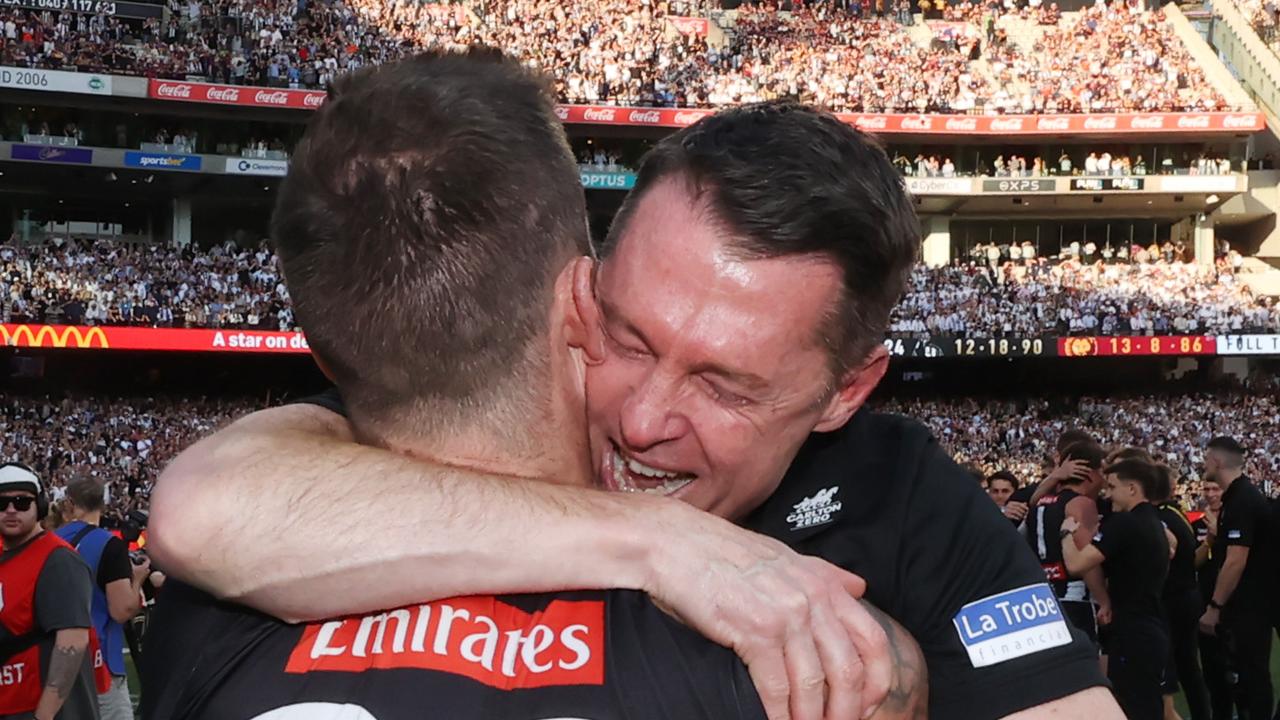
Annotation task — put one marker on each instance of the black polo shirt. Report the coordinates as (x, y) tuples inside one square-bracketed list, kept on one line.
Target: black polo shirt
[(603, 655), (882, 499), (1245, 521), (1136, 564), (1182, 568)]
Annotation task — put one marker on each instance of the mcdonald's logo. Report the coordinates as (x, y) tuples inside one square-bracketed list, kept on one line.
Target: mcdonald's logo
[(58, 337)]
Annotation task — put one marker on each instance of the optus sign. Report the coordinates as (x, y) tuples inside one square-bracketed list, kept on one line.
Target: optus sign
[(81, 337), (185, 91)]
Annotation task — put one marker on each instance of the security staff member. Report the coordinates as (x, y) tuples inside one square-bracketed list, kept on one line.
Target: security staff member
[(1241, 605), (1213, 654), (1074, 496), (1133, 550), (1182, 604), (117, 588), (46, 658)]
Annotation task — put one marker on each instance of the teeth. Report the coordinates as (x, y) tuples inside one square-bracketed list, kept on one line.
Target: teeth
[(671, 482)]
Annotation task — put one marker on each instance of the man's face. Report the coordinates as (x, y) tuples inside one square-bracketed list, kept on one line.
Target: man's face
[(1120, 492), (712, 371), (1213, 495), (17, 524), (1000, 490)]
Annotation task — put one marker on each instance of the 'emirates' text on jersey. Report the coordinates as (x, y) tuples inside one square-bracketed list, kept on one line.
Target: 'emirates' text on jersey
[(587, 655)]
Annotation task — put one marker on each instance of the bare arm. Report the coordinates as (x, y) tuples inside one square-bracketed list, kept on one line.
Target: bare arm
[(123, 600), (69, 646), (908, 696), (284, 512), (1095, 703), (1085, 512)]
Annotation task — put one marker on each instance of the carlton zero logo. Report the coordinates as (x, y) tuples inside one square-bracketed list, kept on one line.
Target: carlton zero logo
[(58, 336), (478, 637), (816, 510), (1010, 625)]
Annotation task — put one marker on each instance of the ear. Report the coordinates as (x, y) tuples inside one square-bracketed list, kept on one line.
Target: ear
[(582, 315), (855, 386)]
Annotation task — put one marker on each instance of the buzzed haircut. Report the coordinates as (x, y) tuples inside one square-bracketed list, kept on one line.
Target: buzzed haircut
[(788, 180), (1143, 473), (86, 494), (1231, 451), (428, 209)]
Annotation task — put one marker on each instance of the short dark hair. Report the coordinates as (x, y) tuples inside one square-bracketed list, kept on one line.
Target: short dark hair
[(1071, 437), (1006, 476), (1143, 473), (428, 209), (1166, 480), (86, 494), (1229, 447), (1091, 453), (788, 180), (1132, 453)]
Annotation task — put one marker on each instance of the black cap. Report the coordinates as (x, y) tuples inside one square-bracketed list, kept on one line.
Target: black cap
[(1227, 444)]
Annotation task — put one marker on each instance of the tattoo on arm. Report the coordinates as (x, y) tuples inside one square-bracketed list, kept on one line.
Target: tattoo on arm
[(908, 696), (64, 669)]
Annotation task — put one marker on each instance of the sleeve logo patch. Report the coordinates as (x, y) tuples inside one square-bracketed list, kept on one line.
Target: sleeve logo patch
[(1011, 624), (1233, 535)]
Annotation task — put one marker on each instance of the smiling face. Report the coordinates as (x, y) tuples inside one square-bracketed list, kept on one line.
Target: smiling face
[(713, 369)]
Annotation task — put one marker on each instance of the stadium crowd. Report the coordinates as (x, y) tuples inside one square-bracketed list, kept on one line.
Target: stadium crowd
[(125, 442), (106, 283), (122, 442), (1094, 164), (1018, 435), (1087, 291), (1037, 297), (1103, 59)]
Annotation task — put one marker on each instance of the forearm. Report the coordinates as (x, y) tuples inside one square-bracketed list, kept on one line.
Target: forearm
[(1096, 581), (908, 696), (294, 522), (1228, 579), (64, 670), (1202, 555)]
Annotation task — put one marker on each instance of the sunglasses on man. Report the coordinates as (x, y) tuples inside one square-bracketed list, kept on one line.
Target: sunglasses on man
[(21, 503)]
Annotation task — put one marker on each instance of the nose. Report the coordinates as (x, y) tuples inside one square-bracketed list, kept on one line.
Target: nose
[(651, 414)]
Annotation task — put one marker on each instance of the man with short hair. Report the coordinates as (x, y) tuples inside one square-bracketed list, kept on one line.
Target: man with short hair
[(1239, 610), (1133, 549), (117, 586), (1000, 488), (732, 332), (410, 191), (46, 642), (1083, 596)]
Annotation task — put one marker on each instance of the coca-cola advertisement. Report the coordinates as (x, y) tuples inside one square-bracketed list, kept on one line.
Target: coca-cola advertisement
[(689, 25), (187, 91)]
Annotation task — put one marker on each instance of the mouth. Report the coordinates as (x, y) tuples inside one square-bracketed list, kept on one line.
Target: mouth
[(623, 473)]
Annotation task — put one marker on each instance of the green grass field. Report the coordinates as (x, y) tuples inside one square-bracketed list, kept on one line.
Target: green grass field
[(1180, 702)]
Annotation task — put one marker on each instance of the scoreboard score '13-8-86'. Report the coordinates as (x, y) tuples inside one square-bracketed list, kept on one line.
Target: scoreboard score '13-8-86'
[(1015, 347)]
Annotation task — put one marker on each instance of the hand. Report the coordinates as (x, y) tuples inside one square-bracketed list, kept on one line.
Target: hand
[(1070, 524), (812, 650), (1104, 613), (1211, 521), (1015, 510), (1209, 621), (140, 572), (1068, 469)]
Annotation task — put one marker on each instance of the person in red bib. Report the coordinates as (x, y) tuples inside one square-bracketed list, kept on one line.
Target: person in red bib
[(47, 647)]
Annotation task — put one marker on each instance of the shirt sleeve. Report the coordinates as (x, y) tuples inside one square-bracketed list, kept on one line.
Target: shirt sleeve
[(964, 568), (1113, 536), (1241, 526), (114, 564), (64, 592)]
